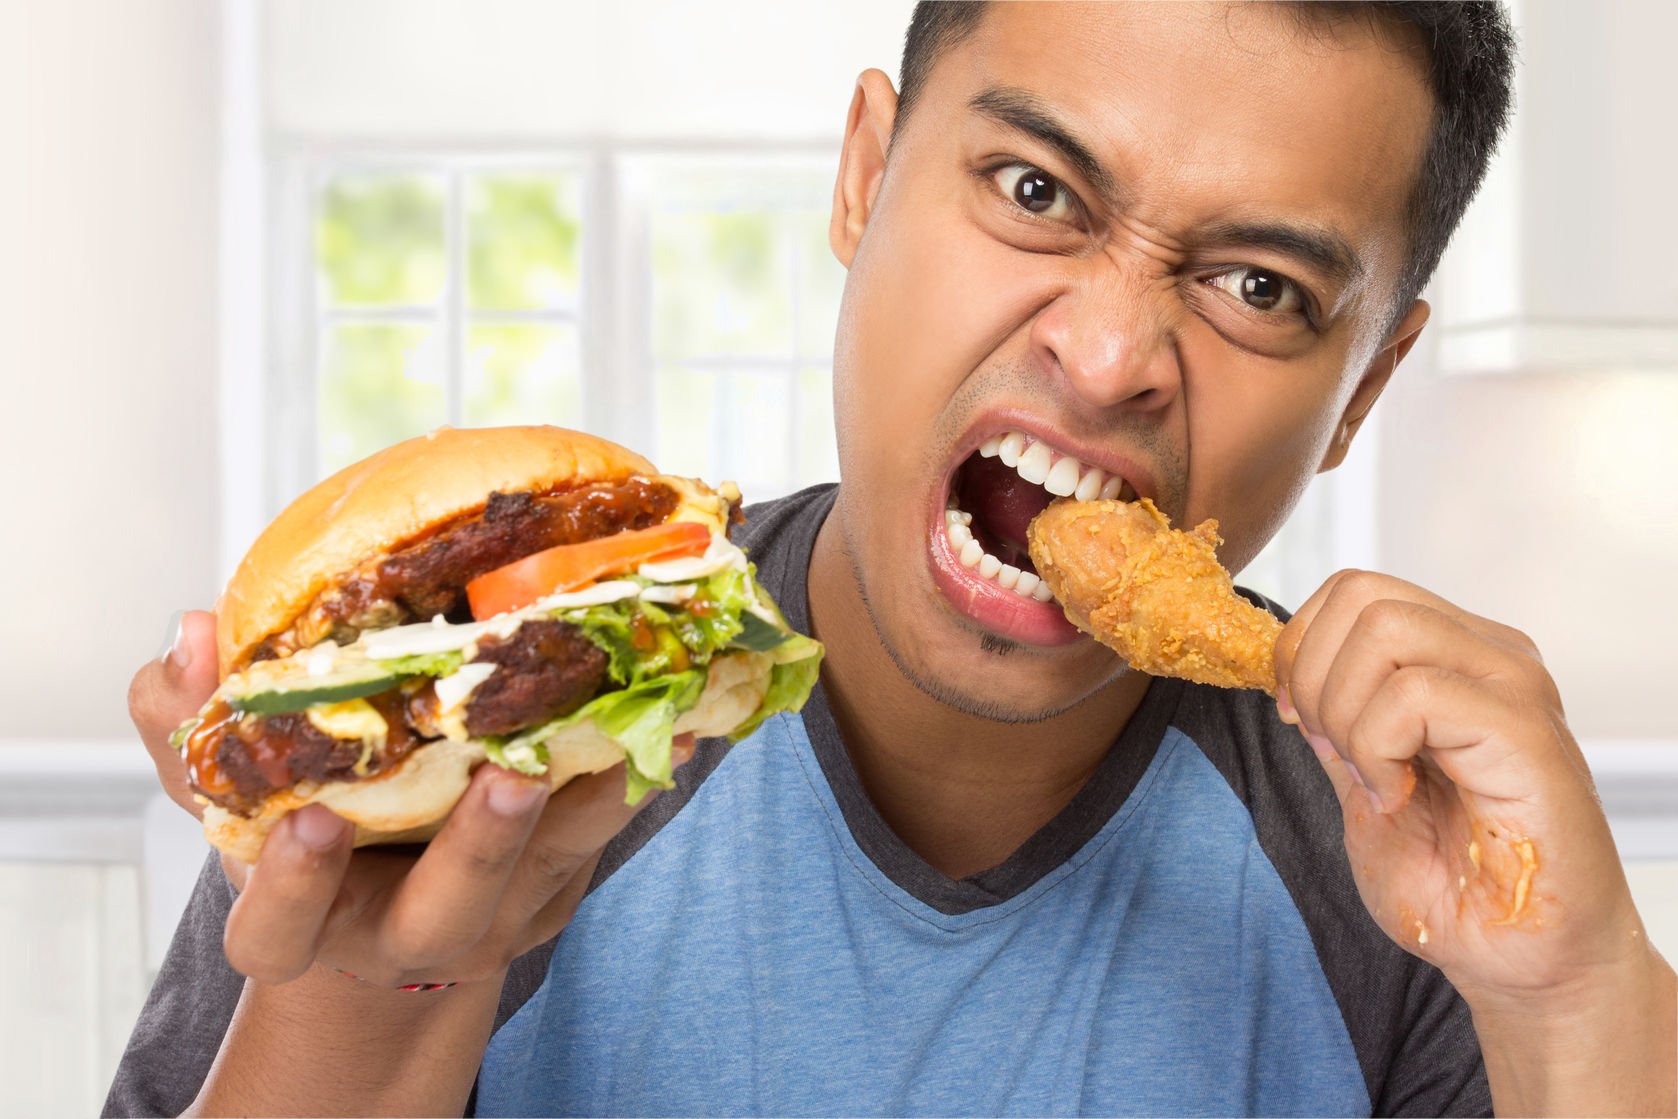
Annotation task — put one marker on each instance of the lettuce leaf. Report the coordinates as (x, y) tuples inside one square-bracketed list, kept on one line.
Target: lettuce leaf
[(798, 663), (525, 757), (642, 722), (640, 718), (658, 654), (645, 640)]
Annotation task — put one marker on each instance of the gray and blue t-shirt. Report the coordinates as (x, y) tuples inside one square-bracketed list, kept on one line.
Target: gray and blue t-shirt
[(1183, 938)]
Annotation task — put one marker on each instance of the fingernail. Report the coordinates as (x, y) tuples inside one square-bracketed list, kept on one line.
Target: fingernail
[(681, 755), (1322, 747), (315, 826), (1285, 708), (176, 650), (1375, 800), (515, 796)]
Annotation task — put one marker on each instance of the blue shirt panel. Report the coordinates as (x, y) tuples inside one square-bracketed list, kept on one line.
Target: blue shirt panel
[(751, 960)]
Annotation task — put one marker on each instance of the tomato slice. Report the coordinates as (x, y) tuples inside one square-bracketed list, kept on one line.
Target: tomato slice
[(569, 566)]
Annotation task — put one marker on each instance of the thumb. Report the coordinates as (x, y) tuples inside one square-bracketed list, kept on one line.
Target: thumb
[(170, 690)]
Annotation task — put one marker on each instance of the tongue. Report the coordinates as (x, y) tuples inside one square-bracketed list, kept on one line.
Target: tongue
[(1002, 504)]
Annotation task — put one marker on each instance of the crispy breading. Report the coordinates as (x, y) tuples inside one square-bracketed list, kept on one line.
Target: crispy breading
[(1154, 594)]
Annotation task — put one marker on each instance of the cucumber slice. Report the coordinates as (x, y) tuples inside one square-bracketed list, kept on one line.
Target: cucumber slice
[(758, 634), (302, 692)]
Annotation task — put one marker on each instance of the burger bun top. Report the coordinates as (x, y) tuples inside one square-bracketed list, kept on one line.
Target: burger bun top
[(379, 503)]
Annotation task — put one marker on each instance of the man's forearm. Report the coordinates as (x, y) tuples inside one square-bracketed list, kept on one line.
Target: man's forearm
[(324, 1044), (1611, 1049)]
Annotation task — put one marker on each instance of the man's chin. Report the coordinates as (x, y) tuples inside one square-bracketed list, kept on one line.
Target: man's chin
[(991, 677)]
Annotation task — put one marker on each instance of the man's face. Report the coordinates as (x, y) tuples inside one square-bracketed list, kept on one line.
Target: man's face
[(1157, 239)]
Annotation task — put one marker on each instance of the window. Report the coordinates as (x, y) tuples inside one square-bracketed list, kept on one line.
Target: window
[(681, 304), (744, 297), (451, 296)]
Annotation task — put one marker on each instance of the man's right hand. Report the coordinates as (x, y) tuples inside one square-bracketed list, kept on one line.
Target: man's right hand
[(168, 691), (504, 875)]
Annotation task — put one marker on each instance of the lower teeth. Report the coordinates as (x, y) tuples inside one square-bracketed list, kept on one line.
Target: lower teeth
[(972, 555)]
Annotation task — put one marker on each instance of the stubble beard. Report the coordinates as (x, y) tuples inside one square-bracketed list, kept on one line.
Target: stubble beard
[(937, 690)]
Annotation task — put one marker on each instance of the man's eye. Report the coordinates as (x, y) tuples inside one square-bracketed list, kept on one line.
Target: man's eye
[(1033, 190), (1262, 290)]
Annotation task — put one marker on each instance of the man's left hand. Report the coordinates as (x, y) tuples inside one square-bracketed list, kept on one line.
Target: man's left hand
[(1473, 829)]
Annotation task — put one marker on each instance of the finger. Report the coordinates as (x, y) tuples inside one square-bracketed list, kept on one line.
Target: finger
[(1386, 636), (274, 927), (448, 900), (1345, 780), (167, 691), (1470, 732), (1394, 609), (552, 918), (1345, 593), (580, 819)]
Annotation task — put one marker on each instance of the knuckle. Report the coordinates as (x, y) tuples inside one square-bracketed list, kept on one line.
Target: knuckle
[(402, 956), (553, 864), (1417, 684), (488, 861), (1358, 585), (1522, 644), (1386, 618), (143, 706), (260, 961)]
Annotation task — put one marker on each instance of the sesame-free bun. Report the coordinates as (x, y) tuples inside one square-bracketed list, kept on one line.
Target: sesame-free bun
[(410, 802), (376, 505)]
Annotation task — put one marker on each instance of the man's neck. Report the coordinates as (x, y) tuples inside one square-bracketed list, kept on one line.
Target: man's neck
[(961, 791)]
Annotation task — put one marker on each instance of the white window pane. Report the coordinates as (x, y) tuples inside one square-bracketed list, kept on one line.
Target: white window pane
[(522, 375), (379, 384), (821, 280), (721, 285), (379, 239), (755, 413), (728, 425), (524, 239), (686, 410), (817, 453)]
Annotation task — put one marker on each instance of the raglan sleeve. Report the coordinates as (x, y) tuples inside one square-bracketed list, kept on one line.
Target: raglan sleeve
[(1437, 1068), (181, 1026)]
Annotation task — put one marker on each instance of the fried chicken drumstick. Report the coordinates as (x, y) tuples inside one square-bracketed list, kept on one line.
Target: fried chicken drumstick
[(1154, 594)]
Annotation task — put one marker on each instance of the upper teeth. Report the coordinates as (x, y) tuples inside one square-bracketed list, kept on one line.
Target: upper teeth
[(1062, 475), (1033, 460)]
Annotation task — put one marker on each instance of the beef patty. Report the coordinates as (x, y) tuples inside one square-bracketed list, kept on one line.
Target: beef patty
[(544, 670)]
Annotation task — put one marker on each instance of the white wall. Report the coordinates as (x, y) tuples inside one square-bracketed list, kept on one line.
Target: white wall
[(107, 301), (482, 70), (1540, 493)]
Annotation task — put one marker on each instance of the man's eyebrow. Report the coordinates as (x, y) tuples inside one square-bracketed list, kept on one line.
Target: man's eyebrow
[(1026, 112), (1323, 249)]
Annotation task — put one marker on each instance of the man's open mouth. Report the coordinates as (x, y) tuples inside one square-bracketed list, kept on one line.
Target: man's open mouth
[(995, 493)]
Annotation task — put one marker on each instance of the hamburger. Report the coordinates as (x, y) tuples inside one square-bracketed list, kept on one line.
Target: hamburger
[(532, 597)]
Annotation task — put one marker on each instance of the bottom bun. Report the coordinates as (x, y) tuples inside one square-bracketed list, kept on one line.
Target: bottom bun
[(410, 802)]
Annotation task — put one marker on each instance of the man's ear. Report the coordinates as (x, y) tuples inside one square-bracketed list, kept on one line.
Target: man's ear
[(1374, 380), (862, 161)]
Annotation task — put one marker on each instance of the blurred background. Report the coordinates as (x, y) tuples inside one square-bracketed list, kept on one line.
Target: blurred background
[(245, 243)]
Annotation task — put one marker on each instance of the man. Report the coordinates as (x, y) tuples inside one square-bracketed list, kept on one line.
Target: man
[(990, 870)]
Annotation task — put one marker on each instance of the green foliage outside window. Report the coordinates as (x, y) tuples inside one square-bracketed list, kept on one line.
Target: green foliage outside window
[(379, 240), (381, 248)]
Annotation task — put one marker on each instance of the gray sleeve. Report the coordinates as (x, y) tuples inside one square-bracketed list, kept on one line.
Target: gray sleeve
[(1411, 1030), (181, 1026), (186, 1015)]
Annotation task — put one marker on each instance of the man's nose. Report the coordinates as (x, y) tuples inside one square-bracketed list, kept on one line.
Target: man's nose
[(1111, 336)]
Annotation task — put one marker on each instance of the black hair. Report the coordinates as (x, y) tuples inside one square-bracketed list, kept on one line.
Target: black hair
[(1471, 70)]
